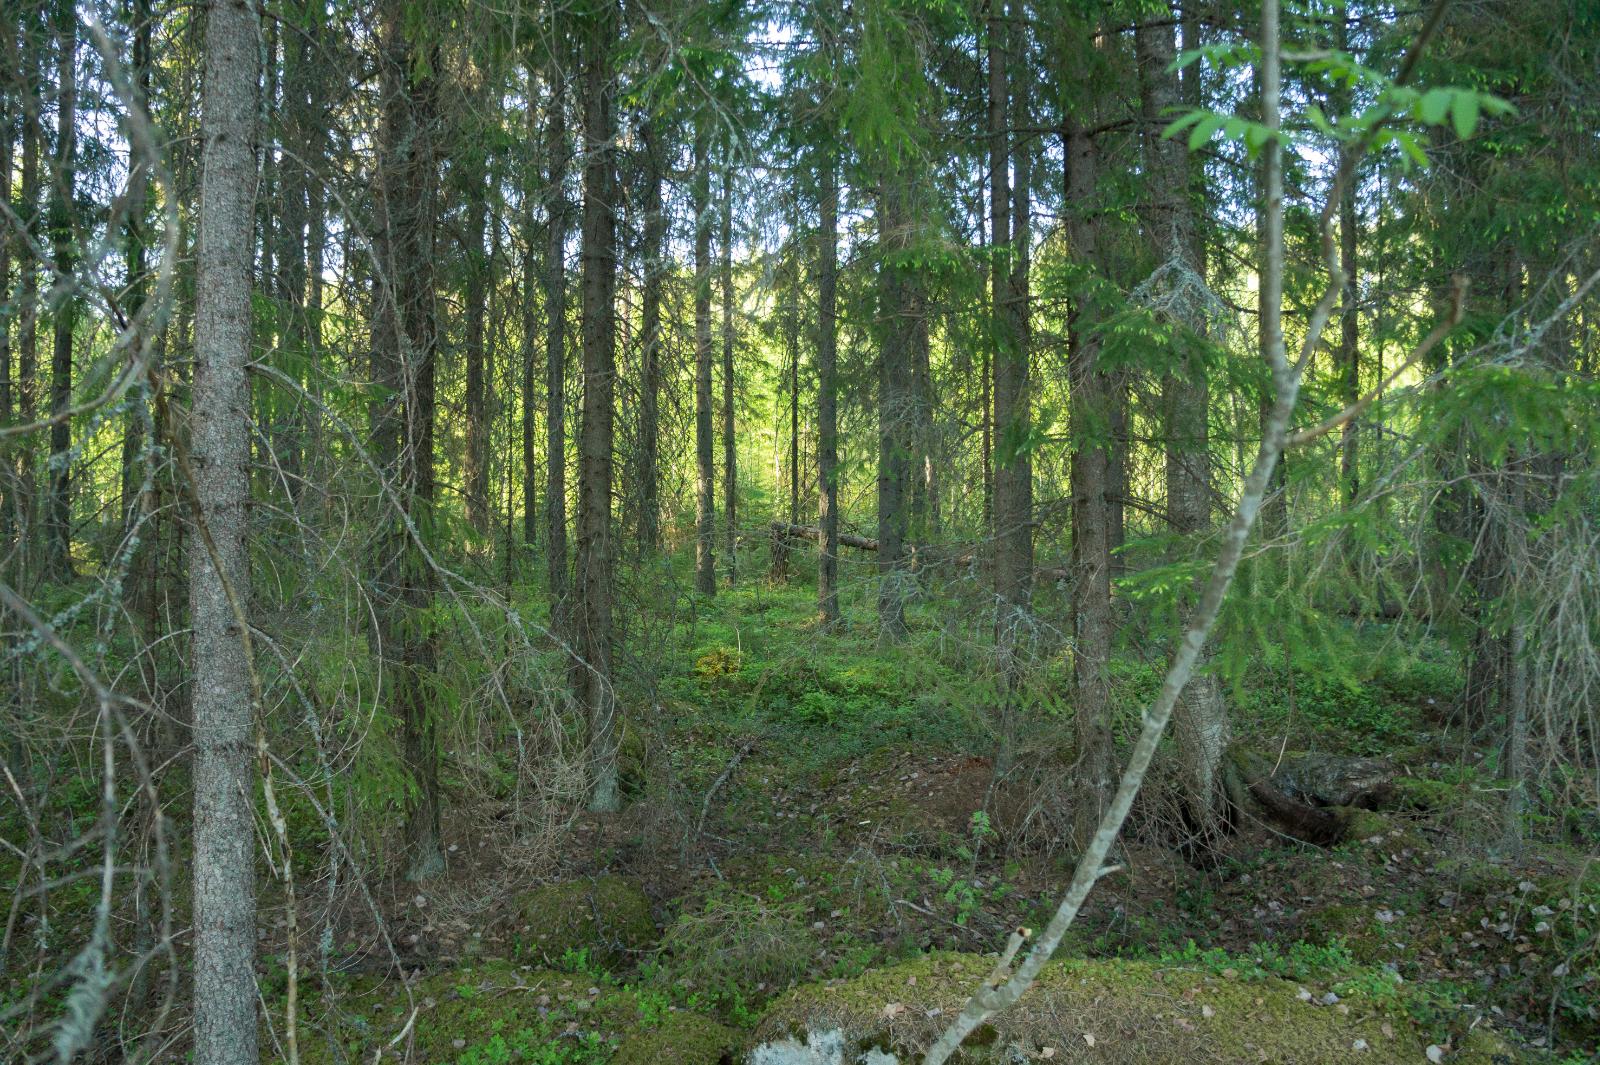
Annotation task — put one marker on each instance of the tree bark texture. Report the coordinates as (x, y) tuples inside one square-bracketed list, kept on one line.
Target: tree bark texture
[(219, 567), (705, 571), (404, 356), (827, 390), (595, 555)]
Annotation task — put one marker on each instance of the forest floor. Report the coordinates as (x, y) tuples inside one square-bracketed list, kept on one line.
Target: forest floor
[(813, 838), (810, 809)]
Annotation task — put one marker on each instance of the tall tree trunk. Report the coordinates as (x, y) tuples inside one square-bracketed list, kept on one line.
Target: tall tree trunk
[(1091, 397), (530, 332), (705, 569), (896, 313), (1117, 459), (1349, 348), (27, 387), (792, 342), (11, 94), (1022, 332), (1349, 311), (477, 300), (65, 313), (827, 390), (595, 560), (730, 450), (293, 182), (788, 281), (134, 245), (1515, 693), (655, 241), (219, 567), (986, 430), (1013, 471), (555, 353), (139, 494), (1200, 718), (919, 395), (404, 356), (1275, 508), (319, 89)]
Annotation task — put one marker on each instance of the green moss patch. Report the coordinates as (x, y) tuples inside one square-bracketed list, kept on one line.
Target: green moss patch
[(605, 921), (1102, 1011), (495, 1012), (680, 1039)]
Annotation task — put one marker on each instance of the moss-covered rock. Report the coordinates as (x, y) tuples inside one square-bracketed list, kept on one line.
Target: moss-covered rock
[(1098, 1011), (608, 918), (680, 1039)]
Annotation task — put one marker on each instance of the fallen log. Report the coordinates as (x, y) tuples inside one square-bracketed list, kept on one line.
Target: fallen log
[(1314, 798), (784, 530)]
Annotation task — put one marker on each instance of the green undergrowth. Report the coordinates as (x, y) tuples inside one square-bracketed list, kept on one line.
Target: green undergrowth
[(760, 665), (1199, 1007), (499, 1013)]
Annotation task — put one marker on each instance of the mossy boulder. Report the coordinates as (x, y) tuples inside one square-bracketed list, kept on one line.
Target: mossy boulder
[(608, 918), (680, 1039), (1096, 1011)]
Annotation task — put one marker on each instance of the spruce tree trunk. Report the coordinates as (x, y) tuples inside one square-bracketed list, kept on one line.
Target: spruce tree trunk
[(1020, 372), (318, 89), (477, 300), (134, 246), (25, 504), (792, 341), (919, 420), (705, 574), (64, 315), (10, 111), (1200, 719), (555, 354), (730, 451), (288, 434), (827, 391), (897, 309), (219, 567), (1349, 348), (655, 239), (595, 559), (1091, 397), (404, 356), (530, 332), (1013, 472)]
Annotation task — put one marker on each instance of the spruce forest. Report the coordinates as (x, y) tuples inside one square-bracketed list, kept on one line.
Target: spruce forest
[(675, 532)]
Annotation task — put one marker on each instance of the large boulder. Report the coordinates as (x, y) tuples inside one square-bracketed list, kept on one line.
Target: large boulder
[(1085, 1011)]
